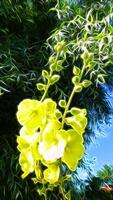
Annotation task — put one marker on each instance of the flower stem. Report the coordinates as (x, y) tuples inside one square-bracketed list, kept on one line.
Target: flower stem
[(48, 84), (45, 93), (70, 98), (82, 72), (67, 106)]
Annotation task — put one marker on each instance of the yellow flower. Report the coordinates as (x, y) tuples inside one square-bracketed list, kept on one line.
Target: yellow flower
[(38, 171), (26, 162), (78, 121), (30, 113), (52, 173), (28, 146), (52, 145), (50, 106), (26, 139), (74, 148)]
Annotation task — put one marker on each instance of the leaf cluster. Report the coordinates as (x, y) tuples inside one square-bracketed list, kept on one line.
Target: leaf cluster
[(23, 32)]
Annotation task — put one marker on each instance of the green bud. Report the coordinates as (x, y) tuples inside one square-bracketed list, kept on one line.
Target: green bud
[(60, 46), (59, 66), (76, 111), (56, 66), (58, 114), (52, 67), (86, 83), (45, 74), (62, 103), (87, 59), (76, 71), (40, 86), (54, 79), (78, 88), (51, 59), (75, 79)]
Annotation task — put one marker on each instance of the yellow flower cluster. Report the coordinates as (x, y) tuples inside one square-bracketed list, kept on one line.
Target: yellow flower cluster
[(44, 146)]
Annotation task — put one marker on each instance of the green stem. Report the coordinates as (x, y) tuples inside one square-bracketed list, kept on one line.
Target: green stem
[(82, 72), (45, 93), (47, 87), (70, 98), (62, 193), (48, 84), (67, 106)]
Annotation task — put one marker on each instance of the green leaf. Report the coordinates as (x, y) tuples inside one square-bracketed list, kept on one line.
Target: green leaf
[(59, 65), (51, 60), (42, 191), (87, 58)]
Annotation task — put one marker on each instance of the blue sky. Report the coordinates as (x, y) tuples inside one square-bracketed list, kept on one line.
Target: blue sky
[(103, 148)]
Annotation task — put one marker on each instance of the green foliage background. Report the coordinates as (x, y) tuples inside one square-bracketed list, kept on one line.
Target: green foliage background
[(24, 28)]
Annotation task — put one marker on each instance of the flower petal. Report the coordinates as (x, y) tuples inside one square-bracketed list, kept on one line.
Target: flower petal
[(51, 174), (50, 106), (53, 151), (77, 123), (52, 145), (30, 113), (27, 162), (38, 171), (74, 149)]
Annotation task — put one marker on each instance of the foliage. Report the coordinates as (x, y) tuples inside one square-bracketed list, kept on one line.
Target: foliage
[(106, 174), (100, 186), (23, 32), (93, 191), (22, 35)]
